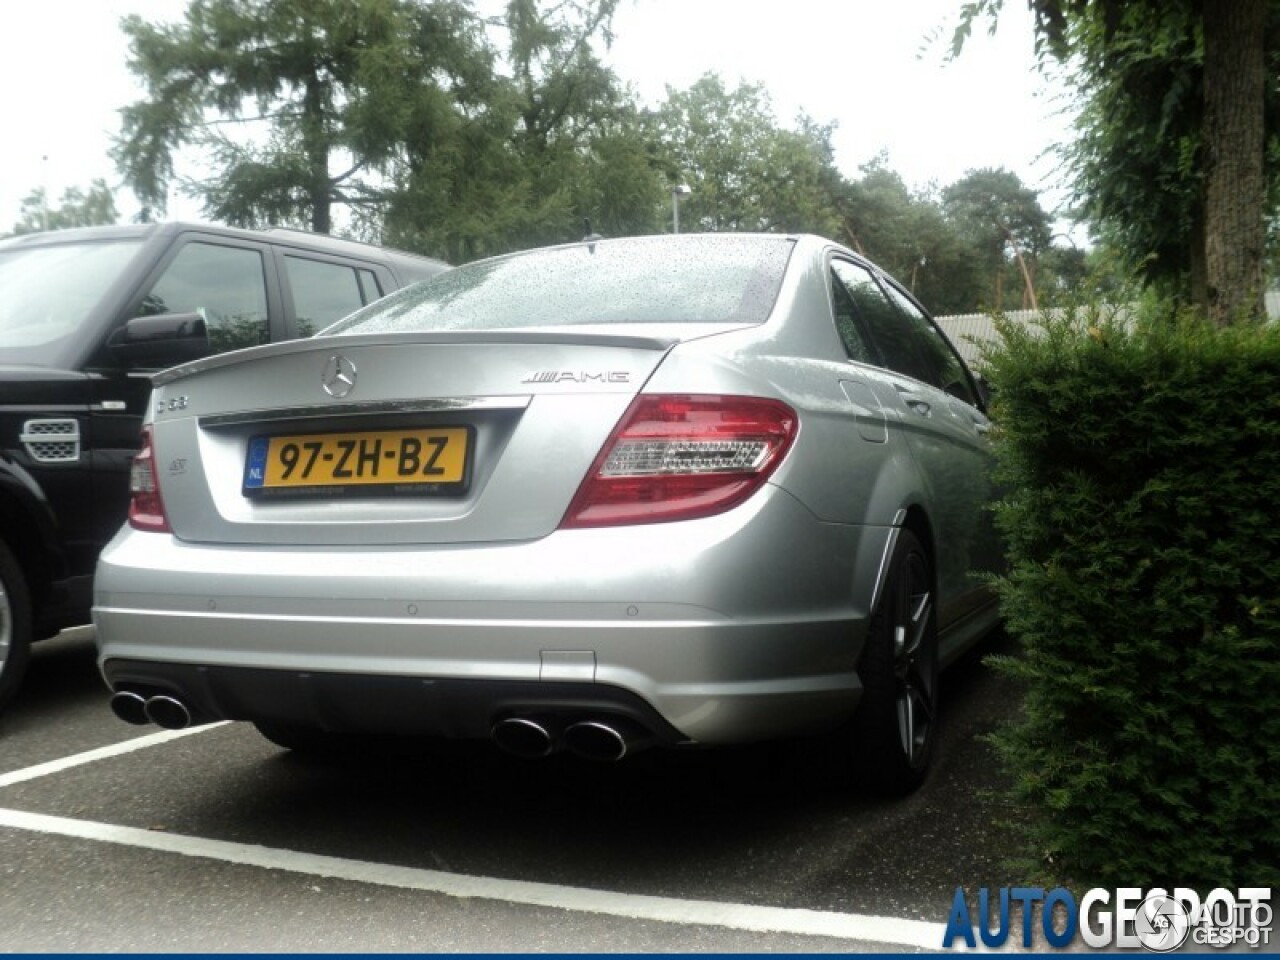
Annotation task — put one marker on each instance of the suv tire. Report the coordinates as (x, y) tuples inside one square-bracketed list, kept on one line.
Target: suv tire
[(15, 625)]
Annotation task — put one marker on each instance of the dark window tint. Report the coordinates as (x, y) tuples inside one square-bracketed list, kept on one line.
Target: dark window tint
[(694, 279), (370, 290), (225, 285), (885, 322), (944, 367), (324, 292), (849, 324)]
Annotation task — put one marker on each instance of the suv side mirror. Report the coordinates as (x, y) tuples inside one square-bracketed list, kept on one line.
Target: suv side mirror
[(162, 340)]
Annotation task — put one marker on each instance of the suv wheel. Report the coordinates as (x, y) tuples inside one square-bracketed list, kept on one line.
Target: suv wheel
[(15, 625)]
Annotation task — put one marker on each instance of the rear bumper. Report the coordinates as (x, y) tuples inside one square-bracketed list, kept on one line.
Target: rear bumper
[(410, 706), (736, 628)]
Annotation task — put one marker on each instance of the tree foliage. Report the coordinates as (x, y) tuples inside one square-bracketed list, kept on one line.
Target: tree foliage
[(76, 208), (1177, 160), (744, 170), (425, 125), (531, 152), (334, 82), (436, 128), (1145, 202), (907, 234), (1004, 218)]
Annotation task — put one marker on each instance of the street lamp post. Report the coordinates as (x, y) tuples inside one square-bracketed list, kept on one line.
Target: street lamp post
[(681, 190), (44, 192)]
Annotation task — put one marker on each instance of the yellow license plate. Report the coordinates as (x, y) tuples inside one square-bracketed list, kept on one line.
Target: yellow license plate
[(425, 460)]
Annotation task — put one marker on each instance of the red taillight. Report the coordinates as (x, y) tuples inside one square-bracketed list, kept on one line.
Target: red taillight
[(681, 457), (146, 507)]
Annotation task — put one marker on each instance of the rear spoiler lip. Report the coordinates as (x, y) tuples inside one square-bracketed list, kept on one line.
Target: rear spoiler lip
[(427, 405), (337, 343)]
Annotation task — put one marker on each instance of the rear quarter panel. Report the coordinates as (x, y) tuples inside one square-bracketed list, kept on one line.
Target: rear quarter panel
[(850, 463)]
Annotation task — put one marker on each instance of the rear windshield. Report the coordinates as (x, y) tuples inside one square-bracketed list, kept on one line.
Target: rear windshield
[(47, 293), (679, 279)]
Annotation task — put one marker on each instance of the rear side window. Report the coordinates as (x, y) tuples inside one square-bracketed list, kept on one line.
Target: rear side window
[(370, 289), (694, 279), (906, 338), (887, 326), (225, 285), (943, 365), (849, 324), (324, 292)]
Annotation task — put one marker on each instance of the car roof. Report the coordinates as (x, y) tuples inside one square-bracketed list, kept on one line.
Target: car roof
[(279, 236)]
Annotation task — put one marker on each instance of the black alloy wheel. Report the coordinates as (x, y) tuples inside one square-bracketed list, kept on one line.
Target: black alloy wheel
[(896, 720)]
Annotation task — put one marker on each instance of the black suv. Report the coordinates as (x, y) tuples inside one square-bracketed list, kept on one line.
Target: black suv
[(85, 317)]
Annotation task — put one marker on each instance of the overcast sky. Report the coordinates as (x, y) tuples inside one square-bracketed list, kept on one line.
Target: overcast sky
[(864, 64)]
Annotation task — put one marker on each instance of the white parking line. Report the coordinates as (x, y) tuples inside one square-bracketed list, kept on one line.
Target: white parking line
[(736, 916), (102, 753)]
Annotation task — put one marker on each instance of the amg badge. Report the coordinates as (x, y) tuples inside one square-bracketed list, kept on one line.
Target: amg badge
[(578, 376)]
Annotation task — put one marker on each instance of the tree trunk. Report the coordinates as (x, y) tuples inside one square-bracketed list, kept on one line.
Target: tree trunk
[(1235, 190), (316, 146), (1030, 289), (852, 234)]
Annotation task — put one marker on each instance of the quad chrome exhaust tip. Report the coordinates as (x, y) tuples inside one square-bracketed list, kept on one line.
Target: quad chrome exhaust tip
[(130, 707), (606, 741), (168, 712), (526, 737), (162, 710)]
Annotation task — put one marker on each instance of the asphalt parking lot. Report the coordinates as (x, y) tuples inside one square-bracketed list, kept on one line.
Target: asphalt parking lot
[(115, 838)]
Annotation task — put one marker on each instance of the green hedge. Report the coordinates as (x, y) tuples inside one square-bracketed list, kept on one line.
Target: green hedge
[(1141, 511)]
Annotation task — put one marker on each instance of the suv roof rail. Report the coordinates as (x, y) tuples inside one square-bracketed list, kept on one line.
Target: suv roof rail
[(327, 237)]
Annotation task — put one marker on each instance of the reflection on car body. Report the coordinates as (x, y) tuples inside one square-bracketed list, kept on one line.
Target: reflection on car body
[(693, 490)]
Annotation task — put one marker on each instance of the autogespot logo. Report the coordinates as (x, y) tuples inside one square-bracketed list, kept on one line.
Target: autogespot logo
[(1130, 917), (1162, 923)]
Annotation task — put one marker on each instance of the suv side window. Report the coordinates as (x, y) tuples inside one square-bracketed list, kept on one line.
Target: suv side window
[(324, 292), (225, 285)]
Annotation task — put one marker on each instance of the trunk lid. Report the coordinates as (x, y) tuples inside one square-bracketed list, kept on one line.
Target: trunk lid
[(507, 422)]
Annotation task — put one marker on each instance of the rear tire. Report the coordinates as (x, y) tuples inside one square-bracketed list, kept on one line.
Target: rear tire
[(15, 626), (895, 724)]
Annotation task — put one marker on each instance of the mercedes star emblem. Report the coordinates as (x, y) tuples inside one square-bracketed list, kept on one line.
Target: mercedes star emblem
[(339, 376)]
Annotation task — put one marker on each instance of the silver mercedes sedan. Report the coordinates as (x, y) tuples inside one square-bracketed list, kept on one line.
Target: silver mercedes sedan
[(668, 491)]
